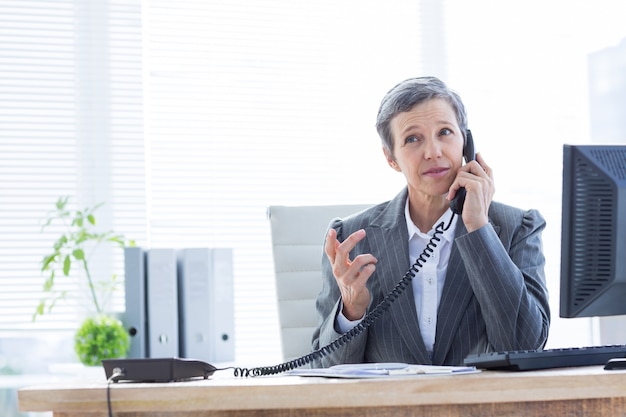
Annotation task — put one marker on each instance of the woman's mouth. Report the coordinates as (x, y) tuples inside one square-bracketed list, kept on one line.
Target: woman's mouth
[(436, 172)]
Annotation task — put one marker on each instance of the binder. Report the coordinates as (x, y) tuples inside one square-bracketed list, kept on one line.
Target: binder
[(162, 292), (134, 318), (206, 304)]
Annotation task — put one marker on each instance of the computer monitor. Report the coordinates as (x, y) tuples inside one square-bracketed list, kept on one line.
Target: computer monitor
[(593, 234)]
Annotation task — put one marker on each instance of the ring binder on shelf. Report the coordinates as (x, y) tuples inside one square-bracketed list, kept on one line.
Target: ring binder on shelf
[(179, 303), (206, 304), (162, 291), (135, 317)]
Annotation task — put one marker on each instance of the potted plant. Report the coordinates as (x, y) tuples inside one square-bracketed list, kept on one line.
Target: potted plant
[(101, 335)]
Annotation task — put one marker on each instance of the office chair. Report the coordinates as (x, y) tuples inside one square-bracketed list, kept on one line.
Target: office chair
[(298, 246)]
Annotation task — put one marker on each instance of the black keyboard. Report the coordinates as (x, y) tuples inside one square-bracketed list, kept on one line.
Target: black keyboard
[(526, 360)]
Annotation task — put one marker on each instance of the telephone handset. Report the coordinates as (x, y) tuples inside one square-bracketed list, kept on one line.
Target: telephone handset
[(456, 204)]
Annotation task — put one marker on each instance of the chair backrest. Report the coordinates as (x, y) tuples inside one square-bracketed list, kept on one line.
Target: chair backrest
[(298, 246)]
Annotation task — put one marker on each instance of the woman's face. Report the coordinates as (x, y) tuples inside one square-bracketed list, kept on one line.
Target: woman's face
[(427, 147)]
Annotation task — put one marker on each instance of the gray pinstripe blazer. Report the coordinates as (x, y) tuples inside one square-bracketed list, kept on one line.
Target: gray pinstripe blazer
[(494, 298)]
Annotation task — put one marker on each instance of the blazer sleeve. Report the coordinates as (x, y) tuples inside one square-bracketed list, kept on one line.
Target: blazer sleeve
[(506, 272), (327, 306)]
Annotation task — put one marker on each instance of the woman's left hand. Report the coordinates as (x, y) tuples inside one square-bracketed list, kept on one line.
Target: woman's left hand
[(477, 179)]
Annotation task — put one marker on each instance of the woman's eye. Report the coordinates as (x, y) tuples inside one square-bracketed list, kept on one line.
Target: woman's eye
[(445, 132), (411, 139)]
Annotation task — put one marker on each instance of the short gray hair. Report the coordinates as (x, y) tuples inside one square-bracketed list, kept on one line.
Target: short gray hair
[(409, 93)]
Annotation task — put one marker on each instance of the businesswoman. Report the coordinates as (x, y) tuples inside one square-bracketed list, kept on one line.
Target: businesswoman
[(482, 288)]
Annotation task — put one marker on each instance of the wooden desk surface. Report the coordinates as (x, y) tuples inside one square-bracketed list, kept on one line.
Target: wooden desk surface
[(567, 391)]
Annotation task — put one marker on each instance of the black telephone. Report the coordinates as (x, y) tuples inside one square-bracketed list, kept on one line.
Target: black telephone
[(371, 317), (456, 204)]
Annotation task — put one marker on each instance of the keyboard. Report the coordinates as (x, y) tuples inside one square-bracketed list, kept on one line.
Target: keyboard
[(527, 360)]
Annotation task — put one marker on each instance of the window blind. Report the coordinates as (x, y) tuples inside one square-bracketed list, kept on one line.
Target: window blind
[(188, 119), (71, 121), (259, 103)]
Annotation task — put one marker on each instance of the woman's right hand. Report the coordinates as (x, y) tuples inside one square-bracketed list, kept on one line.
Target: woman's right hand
[(351, 275)]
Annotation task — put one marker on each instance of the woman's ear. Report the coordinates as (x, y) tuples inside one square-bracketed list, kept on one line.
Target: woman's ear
[(391, 160)]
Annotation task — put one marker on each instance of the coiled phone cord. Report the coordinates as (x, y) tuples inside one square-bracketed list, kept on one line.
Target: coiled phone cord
[(367, 321)]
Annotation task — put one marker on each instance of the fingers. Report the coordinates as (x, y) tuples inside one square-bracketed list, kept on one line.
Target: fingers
[(477, 167), (486, 169), (330, 245), (339, 252), (469, 174), (477, 179), (351, 275), (333, 247)]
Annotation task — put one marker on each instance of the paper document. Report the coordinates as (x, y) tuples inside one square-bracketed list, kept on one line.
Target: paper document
[(378, 370)]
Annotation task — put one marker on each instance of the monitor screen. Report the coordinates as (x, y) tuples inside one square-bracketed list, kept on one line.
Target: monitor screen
[(593, 234)]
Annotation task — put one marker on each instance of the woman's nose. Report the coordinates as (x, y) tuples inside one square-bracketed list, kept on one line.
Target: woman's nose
[(432, 149)]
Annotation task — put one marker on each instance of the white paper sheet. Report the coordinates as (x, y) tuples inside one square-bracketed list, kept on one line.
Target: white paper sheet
[(382, 370)]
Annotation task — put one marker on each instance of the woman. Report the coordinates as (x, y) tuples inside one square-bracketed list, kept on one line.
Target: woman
[(481, 289)]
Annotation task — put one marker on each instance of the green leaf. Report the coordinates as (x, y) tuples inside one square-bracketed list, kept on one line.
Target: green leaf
[(117, 239), (78, 225), (45, 264), (52, 304), (49, 283), (67, 263), (81, 237), (61, 202), (39, 310), (60, 243), (46, 224)]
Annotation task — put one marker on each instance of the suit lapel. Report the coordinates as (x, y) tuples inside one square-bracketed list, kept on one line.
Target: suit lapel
[(390, 235), (457, 293)]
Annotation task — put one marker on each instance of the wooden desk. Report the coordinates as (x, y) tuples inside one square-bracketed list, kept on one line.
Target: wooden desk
[(588, 391)]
